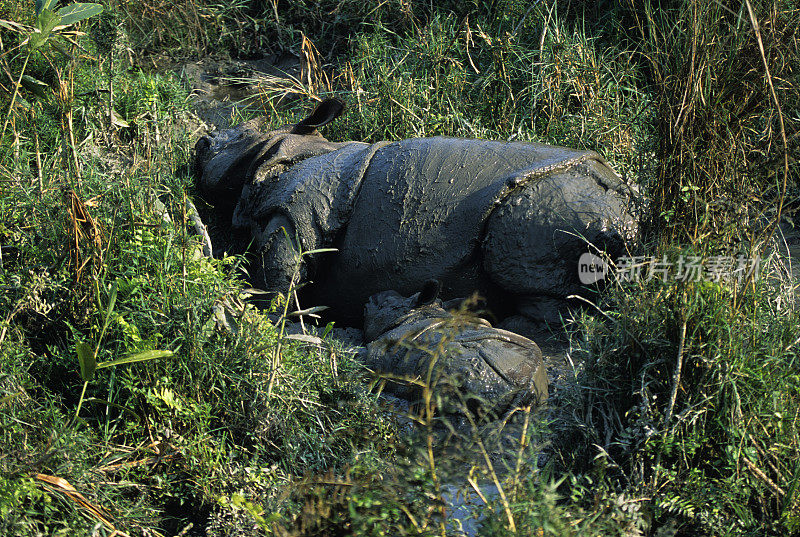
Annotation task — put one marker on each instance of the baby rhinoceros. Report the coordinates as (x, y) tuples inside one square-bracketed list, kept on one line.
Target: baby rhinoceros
[(411, 338)]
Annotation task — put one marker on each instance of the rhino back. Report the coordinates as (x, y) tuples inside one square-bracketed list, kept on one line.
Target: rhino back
[(421, 212)]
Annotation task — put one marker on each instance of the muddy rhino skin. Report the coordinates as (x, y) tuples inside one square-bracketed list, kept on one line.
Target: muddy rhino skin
[(506, 219), (494, 367)]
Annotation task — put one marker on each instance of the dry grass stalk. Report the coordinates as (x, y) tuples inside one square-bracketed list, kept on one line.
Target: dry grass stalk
[(84, 232)]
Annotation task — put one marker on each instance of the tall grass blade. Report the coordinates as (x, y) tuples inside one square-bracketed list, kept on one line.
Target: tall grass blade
[(112, 301), (112, 404), (320, 251), (138, 357)]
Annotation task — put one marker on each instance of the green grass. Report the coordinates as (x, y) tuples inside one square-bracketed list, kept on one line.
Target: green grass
[(710, 441), (183, 430), (198, 438)]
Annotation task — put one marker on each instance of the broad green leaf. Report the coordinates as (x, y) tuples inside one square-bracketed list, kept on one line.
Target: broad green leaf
[(138, 357), (35, 86), (118, 121), (36, 40), (77, 12), (45, 23), (44, 4), (86, 360)]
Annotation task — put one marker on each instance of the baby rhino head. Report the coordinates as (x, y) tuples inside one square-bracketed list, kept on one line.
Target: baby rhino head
[(389, 309)]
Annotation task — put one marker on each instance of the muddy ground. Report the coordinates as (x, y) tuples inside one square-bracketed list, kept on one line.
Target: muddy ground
[(223, 89)]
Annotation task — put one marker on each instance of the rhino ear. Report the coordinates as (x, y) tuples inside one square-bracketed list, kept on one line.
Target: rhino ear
[(430, 292), (324, 113)]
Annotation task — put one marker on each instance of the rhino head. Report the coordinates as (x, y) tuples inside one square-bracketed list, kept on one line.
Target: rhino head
[(226, 161)]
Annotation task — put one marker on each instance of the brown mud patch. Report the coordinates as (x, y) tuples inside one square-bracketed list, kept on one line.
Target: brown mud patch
[(225, 90)]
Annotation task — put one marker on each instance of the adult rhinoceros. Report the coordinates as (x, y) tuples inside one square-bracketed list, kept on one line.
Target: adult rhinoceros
[(506, 219)]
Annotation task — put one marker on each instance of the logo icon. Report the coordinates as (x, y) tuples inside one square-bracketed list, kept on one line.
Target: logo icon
[(591, 268)]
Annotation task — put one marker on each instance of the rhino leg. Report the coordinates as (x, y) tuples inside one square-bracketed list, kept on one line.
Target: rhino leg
[(537, 316), (543, 308), (277, 256)]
